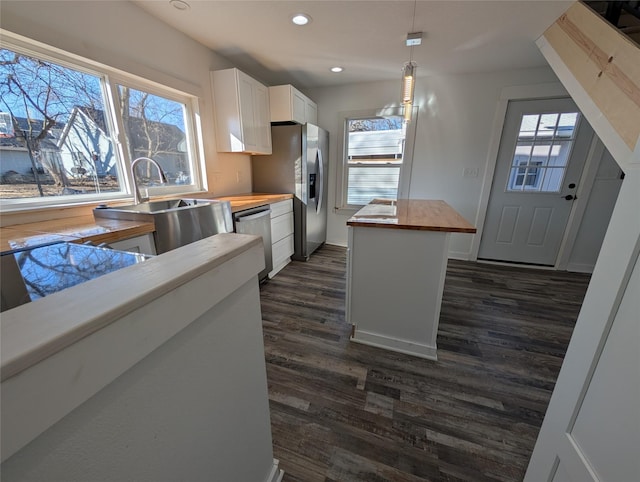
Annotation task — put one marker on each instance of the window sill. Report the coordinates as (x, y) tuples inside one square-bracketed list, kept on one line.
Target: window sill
[(24, 214), (347, 210)]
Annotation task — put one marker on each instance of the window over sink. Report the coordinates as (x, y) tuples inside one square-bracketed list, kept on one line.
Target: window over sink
[(69, 130)]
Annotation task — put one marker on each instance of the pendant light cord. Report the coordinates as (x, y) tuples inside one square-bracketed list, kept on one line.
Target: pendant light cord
[(413, 26)]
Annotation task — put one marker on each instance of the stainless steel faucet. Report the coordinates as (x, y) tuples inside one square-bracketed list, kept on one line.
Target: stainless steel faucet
[(137, 198)]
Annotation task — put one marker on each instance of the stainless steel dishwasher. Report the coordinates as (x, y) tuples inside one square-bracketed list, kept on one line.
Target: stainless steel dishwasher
[(257, 221)]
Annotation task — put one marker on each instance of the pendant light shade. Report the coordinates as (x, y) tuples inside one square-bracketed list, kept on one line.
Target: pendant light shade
[(408, 82), (408, 108), (408, 85)]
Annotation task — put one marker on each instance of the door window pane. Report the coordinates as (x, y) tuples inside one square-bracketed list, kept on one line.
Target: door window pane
[(547, 125), (54, 140), (567, 125), (528, 126), (155, 127), (542, 152)]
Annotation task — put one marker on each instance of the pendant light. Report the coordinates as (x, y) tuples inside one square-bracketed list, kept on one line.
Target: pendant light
[(408, 85), (409, 69)]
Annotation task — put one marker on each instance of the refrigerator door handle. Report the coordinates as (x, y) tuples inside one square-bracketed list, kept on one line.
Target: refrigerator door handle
[(321, 172)]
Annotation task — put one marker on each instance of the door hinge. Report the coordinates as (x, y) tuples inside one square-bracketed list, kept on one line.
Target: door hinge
[(353, 331)]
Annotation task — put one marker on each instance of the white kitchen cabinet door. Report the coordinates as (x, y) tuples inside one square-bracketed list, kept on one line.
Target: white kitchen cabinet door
[(281, 235), (281, 252), (143, 244), (281, 207), (311, 112), (262, 118), (241, 112), (281, 227), (288, 104)]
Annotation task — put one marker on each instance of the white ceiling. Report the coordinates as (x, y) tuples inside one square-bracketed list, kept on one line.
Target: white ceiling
[(367, 38)]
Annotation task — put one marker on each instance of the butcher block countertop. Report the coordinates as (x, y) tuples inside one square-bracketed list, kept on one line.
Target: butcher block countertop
[(78, 229), (239, 202), (416, 214)]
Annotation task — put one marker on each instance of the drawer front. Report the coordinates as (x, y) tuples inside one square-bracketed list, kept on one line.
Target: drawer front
[(281, 207), (282, 250), (281, 227), (139, 244)]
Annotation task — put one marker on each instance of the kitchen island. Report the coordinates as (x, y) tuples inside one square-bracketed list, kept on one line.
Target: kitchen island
[(396, 266), (155, 371)]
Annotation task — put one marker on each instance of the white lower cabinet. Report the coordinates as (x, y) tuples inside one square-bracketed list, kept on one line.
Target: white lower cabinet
[(143, 244), (281, 235)]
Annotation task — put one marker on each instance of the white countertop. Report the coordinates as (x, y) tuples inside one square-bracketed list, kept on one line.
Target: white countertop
[(30, 333)]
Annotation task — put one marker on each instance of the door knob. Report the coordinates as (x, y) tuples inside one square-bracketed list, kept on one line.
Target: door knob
[(569, 197)]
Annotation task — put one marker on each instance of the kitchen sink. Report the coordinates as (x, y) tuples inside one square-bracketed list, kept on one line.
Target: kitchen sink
[(177, 221), (153, 207)]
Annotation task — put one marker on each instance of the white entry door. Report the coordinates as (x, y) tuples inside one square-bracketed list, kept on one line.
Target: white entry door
[(542, 153)]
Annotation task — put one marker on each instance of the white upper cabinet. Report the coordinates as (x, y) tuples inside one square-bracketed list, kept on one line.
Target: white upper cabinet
[(288, 104), (242, 113)]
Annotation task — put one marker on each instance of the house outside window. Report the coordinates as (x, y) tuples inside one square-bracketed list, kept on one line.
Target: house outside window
[(377, 154), (542, 152), (59, 121)]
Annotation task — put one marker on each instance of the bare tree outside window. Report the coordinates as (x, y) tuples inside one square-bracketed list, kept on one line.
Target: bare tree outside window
[(55, 131), (42, 100), (155, 127)]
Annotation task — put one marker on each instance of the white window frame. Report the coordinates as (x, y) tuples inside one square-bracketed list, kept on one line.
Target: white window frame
[(541, 171), (111, 79), (407, 157)]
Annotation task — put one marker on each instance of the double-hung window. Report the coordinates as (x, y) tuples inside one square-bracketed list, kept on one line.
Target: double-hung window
[(376, 163), (69, 131)]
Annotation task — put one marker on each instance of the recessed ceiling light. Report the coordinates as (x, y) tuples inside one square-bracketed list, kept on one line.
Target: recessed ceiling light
[(301, 19), (336, 69), (180, 4)]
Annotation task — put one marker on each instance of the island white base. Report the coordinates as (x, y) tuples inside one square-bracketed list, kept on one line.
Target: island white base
[(395, 280), (276, 474), (394, 344)]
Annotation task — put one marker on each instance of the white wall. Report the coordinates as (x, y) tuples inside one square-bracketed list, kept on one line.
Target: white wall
[(454, 131), (123, 36), (195, 409), (602, 199)]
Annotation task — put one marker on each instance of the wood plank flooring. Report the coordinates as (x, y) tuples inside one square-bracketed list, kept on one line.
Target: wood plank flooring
[(342, 411)]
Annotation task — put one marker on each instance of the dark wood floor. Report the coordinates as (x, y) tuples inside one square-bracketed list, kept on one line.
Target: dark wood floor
[(342, 411)]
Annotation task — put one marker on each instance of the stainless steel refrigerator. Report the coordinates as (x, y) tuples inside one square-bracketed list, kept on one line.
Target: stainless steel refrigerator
[(298, 165)]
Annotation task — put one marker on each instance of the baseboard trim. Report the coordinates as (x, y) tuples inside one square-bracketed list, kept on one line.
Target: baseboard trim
[(279, 267), (580, 267), (462, 256), (336, 243), (276, 473), (394, 344)]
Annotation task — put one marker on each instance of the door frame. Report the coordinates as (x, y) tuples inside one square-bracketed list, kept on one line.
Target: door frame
[(549, 90)]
